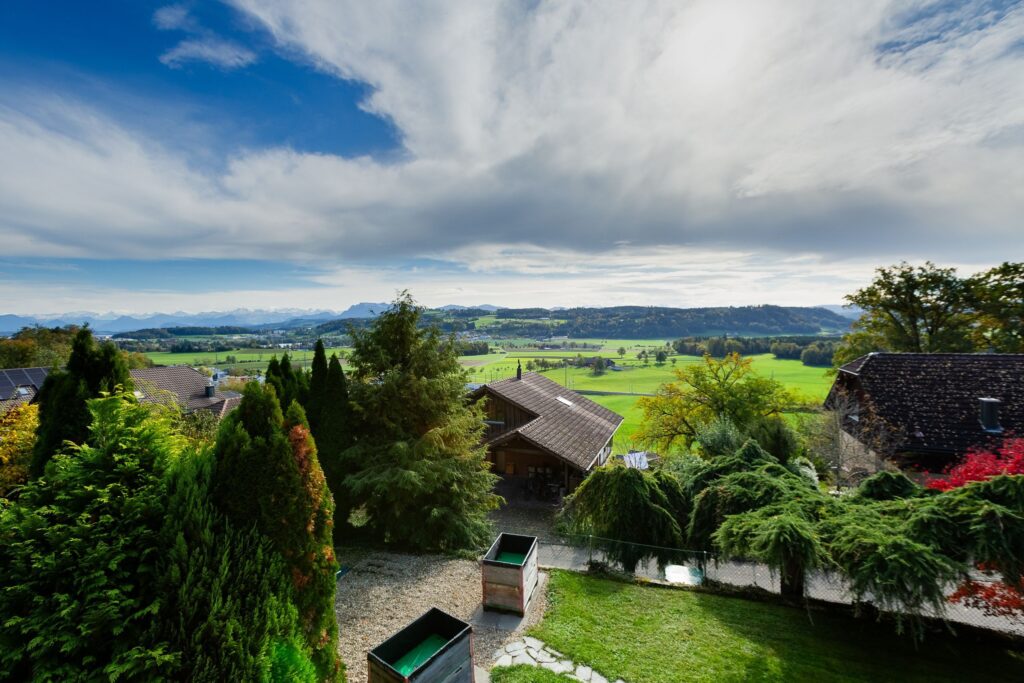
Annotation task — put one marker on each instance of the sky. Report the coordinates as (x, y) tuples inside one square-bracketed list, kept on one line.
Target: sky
[(203, 156)]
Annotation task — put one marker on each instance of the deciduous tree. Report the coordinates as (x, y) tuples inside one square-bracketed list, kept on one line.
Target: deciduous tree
[(707, 391)]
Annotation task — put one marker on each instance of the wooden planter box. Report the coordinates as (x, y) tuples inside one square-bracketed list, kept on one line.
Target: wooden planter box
[(435, 648), (509, 573)]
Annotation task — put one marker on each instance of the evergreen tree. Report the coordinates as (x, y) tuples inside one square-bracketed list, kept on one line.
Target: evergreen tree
[(317, 389), (334, 438), (624, 507), (227, 589), (416, 465), (80, 553), (63, 414), (267, 474)]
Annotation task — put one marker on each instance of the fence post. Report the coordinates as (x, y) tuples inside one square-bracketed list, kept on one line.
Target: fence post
[(590, 547)]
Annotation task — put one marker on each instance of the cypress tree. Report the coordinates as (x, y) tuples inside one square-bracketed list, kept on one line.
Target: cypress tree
[(63, 413), (267, 474), (334, 437), (317, 389)]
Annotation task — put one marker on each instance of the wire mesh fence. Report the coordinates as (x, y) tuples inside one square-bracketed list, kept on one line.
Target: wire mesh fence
[(694, 567)]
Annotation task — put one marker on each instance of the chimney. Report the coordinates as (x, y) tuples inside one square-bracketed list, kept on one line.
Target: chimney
[(989, 412), (211, 388), (519, 370)]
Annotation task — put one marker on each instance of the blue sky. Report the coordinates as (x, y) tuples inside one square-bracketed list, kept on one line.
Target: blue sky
[(316, 153)]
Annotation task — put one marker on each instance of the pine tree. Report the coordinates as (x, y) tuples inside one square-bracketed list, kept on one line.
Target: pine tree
[(267, 474), (416, 465), (63, 414)]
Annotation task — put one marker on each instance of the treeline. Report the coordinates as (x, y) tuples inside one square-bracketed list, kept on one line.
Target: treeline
[(631, 322), (186, 331), (929, 309), (816, 351), (472, 348), (51, 347)]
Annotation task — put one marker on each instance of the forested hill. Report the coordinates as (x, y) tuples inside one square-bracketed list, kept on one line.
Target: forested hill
[(625, 322), (633, 322)]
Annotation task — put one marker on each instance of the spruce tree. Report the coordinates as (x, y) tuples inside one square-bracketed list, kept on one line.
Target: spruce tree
[(63, 414), (267, 474), (417, 465)]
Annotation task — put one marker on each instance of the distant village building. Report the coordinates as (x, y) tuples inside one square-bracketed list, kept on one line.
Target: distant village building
[(938, 405), (538, 429), (185, 386)]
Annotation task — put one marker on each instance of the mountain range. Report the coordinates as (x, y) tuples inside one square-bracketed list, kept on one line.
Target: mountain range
[(112, 323)]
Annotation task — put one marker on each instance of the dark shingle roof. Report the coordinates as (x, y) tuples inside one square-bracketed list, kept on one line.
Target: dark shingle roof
[(19, 385), (573, 428), (932, 398)]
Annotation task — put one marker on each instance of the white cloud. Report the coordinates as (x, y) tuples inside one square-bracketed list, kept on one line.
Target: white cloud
[(174, 17), (857, 132), (205, 46), (222, 53)]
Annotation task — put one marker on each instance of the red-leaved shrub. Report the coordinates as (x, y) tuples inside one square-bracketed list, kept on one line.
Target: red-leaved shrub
[(980, 464), (994, 598)]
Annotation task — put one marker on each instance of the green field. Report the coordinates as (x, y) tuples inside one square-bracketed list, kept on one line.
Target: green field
[(655, 635), (807, 383), (258, 358)]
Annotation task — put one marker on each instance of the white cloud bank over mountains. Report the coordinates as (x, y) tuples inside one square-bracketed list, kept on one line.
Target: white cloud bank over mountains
[(539, 135)]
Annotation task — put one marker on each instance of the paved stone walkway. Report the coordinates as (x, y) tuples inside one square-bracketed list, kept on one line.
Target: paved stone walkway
[(533, 652)]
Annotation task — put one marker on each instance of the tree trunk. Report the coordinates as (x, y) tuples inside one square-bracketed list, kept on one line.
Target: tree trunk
[(792, 580)]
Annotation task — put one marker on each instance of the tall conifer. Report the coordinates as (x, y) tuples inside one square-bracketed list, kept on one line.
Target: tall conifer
[(63, 415), (317, 389), (268, 474)]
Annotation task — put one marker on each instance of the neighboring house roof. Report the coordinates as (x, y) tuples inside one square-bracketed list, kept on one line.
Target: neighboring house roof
[(19, 385), (188, 386), (185, 385), (567, 424), (933, 398)]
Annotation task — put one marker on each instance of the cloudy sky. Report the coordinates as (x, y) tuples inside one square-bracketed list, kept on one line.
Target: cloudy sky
[(317, 153)]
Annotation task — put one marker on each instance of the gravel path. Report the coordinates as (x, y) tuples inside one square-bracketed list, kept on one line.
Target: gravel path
[(383, 592)]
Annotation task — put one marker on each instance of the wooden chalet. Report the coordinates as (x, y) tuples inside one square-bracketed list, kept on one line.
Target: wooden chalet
[(538, 430)]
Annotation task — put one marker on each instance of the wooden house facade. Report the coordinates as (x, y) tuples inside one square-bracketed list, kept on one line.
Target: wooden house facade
[(539, 430)]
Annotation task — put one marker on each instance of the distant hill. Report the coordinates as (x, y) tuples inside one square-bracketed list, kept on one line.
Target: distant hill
[(364, 310), (619, 322), (636, 322), (457, 307), (851, 312)]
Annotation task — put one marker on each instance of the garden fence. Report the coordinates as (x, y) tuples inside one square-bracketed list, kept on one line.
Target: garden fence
[(695, 567)]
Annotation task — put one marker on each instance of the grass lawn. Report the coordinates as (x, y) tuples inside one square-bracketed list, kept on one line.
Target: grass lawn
[(655, 635)]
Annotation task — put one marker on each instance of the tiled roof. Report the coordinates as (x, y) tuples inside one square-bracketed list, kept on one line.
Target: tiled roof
[(932, 398), (187, 385), (567, 424), (19, 385), (180, 383)]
